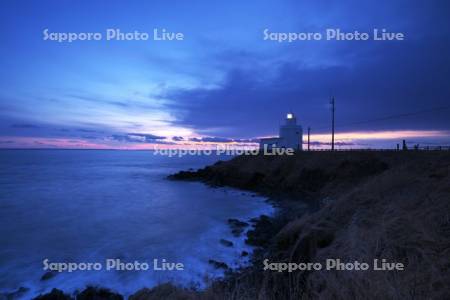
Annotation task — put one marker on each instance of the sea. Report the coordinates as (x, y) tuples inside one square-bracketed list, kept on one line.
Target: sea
[(90, 206)]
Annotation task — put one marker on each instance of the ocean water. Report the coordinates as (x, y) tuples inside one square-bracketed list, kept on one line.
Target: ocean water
[(93, 205)]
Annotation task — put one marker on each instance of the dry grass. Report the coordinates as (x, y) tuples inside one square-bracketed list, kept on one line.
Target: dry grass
[(402, 215), (380, 205)]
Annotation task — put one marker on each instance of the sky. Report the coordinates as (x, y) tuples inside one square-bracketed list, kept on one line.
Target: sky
[(223, 84)]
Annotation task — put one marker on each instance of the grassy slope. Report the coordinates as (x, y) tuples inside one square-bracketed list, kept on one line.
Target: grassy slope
[(393, 205)]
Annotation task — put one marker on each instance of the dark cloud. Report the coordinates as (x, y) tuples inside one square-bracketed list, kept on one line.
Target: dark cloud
[(254, 140), (88, 130), (121, 103), (177, 138), (139, 138), (212, 140), (222, 140), (397, 79), (369, 79), (148, 136), (24, 126), (93, 99)]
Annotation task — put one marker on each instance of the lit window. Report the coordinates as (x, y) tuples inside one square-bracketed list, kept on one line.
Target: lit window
[(290, 116)]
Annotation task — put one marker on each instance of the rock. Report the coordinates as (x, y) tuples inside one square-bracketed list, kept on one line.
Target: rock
[(237, 232), (55, 294), (260, 218), (264, 230), (226, 243), (184, 175), (164, 291), (237, 223), (218, 264), (237, 226), (96, 293), (48, 275)]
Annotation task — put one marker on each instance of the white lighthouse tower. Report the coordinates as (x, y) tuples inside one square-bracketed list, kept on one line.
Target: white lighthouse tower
[(291, 135)]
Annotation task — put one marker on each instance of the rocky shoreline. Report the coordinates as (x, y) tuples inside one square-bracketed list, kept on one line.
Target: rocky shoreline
[(165, 291), (362, 206)]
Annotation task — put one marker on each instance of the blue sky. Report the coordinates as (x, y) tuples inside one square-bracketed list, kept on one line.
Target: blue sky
[(223, 82)]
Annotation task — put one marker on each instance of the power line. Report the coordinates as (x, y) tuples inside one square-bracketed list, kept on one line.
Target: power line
[(391, 116)]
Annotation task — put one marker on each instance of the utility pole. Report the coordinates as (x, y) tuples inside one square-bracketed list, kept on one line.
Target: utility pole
[(309, 131), (332, 123)]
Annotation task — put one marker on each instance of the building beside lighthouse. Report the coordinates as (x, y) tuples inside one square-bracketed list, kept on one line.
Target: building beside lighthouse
[(290, 136)]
